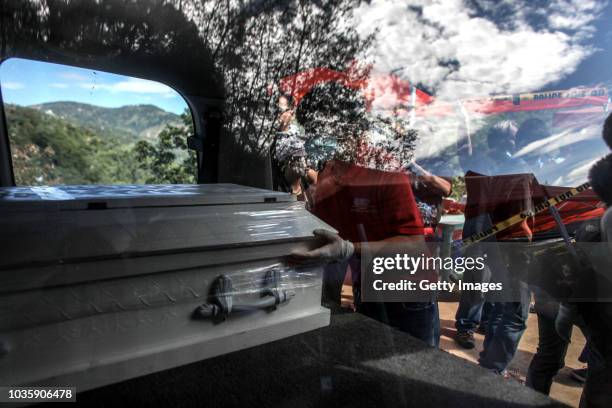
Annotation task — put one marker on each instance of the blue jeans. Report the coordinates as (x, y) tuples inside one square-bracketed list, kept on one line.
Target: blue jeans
[(486, 311), (505, 327), (471, 303), (436, 326), (419, 319), (550, 356), (469, 313)]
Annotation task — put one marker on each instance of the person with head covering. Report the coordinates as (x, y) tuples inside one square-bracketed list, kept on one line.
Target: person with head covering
[(289, 152), (366, 206)]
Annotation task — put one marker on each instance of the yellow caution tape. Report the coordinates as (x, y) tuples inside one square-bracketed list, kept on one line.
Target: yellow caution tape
[(515, 219)]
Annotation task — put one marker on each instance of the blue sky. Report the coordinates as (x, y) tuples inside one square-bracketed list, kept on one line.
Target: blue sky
[(463, 49), (597, 68), (27, 82), (499, 48), (460, 49)]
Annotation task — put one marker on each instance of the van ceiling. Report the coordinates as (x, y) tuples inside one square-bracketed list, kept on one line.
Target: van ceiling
[(140, 38)]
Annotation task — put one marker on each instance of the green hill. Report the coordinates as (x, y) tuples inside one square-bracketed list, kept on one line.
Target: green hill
[(127, 123), (47, 149)]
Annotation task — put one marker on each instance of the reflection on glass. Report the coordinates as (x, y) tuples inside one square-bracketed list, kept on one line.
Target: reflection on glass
[(71, 125)]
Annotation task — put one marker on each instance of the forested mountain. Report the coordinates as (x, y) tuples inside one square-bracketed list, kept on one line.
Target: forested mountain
[(48, 149), (129, 123)]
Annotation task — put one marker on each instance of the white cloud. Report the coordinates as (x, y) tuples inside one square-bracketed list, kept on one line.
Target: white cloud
[(448, 48), (12, 85), (562, 139), (73, 76), (59, 85), (141, 86), (132, 85), (574, 15), (578, 173)]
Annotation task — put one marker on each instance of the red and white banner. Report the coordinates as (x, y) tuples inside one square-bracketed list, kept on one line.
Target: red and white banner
[(390, 91)]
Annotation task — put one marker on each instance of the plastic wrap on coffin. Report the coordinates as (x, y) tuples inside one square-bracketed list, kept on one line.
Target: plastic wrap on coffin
[(112, 293)]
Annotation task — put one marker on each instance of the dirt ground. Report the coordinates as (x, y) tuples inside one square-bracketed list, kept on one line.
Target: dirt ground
[(564, 388)]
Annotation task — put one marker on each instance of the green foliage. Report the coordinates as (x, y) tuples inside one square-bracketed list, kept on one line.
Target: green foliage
[(230, 50), (48, 150), (126, 123), (168, 160), (459, 191)]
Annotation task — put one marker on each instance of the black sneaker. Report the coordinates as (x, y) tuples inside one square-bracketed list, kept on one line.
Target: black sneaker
[(579, 374), (465, 340)]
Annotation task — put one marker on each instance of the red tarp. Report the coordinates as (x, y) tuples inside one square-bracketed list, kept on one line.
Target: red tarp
[(501, 197), (375, 87), (390, 86), (581, 207)]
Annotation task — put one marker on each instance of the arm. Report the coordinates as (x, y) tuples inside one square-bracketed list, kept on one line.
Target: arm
[(396, 238), (402, 222), (336, 249), (527, 230), (437, 184), (284, 120)]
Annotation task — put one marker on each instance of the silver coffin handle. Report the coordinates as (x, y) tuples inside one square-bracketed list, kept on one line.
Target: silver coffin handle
[(221, 303)]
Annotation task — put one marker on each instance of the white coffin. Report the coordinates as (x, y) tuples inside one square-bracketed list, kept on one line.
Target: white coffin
[(99, 284)]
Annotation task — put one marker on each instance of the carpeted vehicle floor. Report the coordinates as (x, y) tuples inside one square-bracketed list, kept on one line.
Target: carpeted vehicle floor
[(355, 362)]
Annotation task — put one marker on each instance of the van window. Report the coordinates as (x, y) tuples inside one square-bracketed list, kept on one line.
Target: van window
[(70, 125)]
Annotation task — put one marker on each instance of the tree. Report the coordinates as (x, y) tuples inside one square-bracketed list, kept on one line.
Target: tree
[(242, 49), (253, 45), (168, 160)]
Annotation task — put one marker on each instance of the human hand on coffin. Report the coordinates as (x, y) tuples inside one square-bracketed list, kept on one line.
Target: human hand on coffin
[(334, 249)]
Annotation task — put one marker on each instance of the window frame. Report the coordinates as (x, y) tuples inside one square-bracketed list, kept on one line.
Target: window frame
[(7, 170)]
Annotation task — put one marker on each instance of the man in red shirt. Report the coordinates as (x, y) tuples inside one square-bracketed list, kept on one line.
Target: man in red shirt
[(366, 206), (349, 196), (493, 199)]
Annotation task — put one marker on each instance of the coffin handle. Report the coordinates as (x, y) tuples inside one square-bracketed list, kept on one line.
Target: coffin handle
[(221, 304)]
